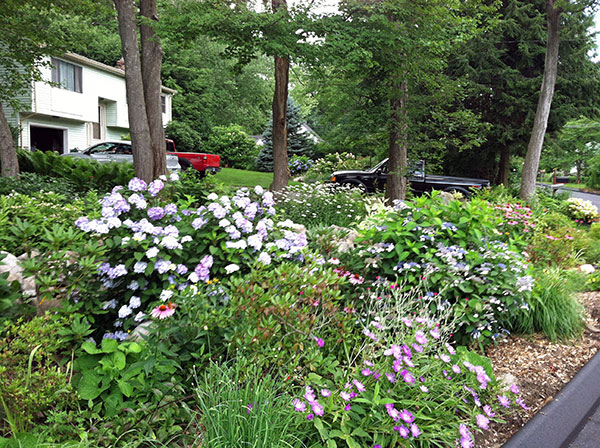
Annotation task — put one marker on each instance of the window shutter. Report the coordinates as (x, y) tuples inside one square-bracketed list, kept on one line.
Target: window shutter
[(55, 69), (78, 84)]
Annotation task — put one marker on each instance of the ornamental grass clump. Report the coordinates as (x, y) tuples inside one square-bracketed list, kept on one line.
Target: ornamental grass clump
[(408, 387), (452, 247), (155, 246)]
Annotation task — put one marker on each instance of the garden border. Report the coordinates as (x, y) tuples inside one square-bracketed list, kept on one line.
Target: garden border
[(559, 422)]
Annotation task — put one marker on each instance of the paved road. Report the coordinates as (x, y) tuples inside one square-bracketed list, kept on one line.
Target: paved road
[(589, 435), (593, 198)]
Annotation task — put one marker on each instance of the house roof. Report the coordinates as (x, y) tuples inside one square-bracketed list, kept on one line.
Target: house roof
[(117, 71)]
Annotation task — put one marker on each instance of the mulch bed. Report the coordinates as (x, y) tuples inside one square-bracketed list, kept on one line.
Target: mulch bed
[(541, 369)]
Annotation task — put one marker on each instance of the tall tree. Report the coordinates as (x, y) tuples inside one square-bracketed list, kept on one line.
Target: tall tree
[(281, 172), (534, 149), (391, 55), (142, 78)]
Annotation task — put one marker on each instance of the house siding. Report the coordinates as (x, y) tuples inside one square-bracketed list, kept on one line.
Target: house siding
[(24, 98), (76, 132)]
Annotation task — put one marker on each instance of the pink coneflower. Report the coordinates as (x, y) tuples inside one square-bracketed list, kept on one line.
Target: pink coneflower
[(320, 341), (163, 311)]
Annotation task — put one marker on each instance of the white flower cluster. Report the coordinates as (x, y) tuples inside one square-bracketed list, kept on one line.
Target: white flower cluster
[(582, 209)]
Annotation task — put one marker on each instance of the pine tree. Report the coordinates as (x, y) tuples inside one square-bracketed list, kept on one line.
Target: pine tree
[(298, 142)]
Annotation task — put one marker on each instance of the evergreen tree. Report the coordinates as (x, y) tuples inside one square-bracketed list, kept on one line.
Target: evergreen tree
[(298, 142)]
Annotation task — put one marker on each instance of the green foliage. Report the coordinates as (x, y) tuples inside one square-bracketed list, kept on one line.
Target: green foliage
[(82, 174), (322, 205), (33, 377), (553, 308), (278, 314), (592, 178), (185, 137), (298, 142), (239, 407), (32, 184), (10, 293), (454, 248), (114, 376), (236, 149), (553, 243), (323, 167), (196, 188)]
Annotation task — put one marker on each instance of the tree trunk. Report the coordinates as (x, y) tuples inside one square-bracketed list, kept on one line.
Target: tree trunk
[(534, 149), (281, 171), (398, 145), (504, 168), (152, 55), (136, 105), (8, 152)]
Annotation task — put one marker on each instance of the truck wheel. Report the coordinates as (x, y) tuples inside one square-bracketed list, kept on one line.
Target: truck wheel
[(462, 191), (184, 163)]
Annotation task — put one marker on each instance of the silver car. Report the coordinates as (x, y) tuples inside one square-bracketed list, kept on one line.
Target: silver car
[(117, 151)]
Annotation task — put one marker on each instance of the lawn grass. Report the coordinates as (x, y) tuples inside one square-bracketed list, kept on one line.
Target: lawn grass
[(578, 186), (244, 178)]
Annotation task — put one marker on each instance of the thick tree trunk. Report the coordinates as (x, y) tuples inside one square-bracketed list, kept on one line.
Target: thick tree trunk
[(534, 149), (398, 145), (8, 152), (151, 65), (136, 105), (281, 172), (504, 168)]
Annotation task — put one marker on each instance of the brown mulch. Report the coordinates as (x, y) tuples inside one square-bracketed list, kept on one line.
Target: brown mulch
[(541, 368)]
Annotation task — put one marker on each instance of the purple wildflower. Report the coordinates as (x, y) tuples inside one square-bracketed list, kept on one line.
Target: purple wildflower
[(482, 421), (504, 401)]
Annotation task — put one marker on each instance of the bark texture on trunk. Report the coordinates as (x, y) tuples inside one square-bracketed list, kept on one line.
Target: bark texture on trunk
[(398, 145), (534, 148), (136, 105), (152, 55), (504, 168), (281, 171), (8, 152)]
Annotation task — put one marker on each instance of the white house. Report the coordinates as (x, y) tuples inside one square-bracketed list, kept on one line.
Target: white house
[(89, 106)]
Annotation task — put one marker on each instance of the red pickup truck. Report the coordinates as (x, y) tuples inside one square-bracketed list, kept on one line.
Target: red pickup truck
[(204, 163)]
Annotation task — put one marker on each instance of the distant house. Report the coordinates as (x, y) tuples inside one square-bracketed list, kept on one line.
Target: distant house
[(89, 106)]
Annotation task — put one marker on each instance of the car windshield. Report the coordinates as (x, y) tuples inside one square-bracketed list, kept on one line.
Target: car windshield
[(414, 168), (381, 164)]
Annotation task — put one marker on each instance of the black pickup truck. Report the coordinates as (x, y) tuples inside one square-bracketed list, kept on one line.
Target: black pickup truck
[(374, 179)]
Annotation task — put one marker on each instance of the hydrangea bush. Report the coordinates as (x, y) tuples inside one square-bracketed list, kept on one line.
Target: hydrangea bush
[(300, 164), (155, 246), (454, 248)]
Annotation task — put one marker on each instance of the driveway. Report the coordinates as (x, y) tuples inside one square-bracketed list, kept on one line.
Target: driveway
[(593, 198)]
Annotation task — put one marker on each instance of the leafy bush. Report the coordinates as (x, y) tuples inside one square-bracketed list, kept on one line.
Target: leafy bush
[(553, 309), (33, 184), (453, 246), (10, 293), (582, 210), (32, 379), (185, 137), (592, 178), (236, 149), (280, 316), (240, 407), (82, 174), (407, 386), (322, 168), (320, 204), (152, 243)]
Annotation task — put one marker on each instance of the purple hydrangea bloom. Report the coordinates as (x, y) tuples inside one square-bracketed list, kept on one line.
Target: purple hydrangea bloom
[(156, 213), (155, 186), (137, 184), (203, 269)]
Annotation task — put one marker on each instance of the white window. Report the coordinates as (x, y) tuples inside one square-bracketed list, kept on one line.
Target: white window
[(67, 75)]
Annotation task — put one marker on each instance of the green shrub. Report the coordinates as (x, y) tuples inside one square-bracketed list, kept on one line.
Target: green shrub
[(239, 407), (322, 168), (32, 184), (454, 248), (280, 314), (10, 293), (595, 231), (82, 174), (32, 374), (553, 310), (236, 149), (592, 178), (185, 137)]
